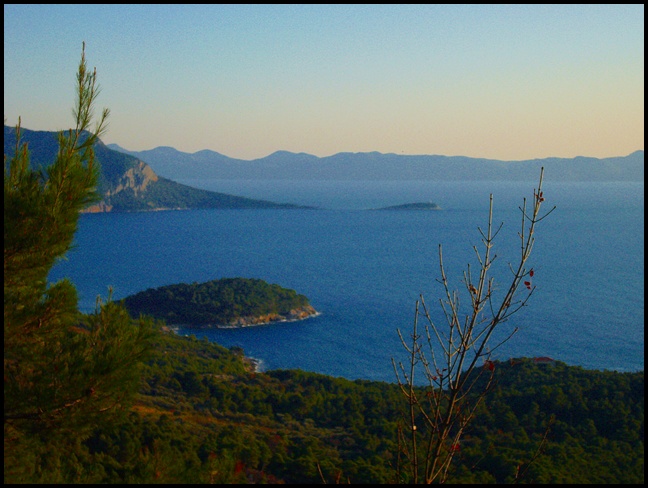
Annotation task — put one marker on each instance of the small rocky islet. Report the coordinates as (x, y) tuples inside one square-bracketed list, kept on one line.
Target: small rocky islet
[(413, 206)]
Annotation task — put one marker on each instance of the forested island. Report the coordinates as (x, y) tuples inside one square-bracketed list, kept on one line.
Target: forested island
[(228, 302)]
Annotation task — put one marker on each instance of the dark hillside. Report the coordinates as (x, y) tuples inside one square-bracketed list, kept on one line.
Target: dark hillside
[(203, 415), (128, 184)]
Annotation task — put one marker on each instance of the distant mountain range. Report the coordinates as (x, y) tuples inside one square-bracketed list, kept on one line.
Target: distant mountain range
[(284, 165), (143, 180), (129, 184)]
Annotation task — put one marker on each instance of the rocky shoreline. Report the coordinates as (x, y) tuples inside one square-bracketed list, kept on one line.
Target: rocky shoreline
[(251, 321), (293, 315)]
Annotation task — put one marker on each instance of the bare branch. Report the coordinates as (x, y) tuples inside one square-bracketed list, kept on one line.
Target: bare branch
[(455, 378)]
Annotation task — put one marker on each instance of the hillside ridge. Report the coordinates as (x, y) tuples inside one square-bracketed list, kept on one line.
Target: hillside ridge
[(129, 184)]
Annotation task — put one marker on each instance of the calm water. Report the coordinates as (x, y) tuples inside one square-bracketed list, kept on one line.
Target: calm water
[(364, 270)]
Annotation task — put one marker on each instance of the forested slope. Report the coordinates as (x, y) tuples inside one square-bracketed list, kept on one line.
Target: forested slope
[(203, 415), (127, 184)]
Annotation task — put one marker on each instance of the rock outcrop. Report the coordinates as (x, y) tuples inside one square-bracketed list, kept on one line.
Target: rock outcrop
[(102, 206), (292, 316), (137, 178)]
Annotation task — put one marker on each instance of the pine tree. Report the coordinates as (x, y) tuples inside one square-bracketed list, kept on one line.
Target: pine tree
[(64, 371)]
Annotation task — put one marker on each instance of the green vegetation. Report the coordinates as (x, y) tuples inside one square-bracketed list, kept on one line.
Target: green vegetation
[(64, 372), (220, 302), (169, 194), (202, 417)]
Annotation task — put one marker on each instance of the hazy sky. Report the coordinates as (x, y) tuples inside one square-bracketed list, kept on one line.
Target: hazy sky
[(495, 81)]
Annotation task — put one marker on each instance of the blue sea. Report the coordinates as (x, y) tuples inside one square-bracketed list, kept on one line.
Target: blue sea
[(365, 270)]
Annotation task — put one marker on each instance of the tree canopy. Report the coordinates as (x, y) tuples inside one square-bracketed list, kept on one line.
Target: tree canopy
[(64, 371), (218, 302)]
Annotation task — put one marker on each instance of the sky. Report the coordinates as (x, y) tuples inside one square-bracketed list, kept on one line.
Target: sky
[(509, 82)]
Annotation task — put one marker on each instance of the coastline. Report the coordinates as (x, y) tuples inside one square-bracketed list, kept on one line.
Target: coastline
[(249, 321), (253, 365), (257, 324)]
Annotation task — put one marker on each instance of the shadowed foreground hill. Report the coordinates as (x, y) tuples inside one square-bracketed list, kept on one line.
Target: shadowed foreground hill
[(204, 416), (128, 184)]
